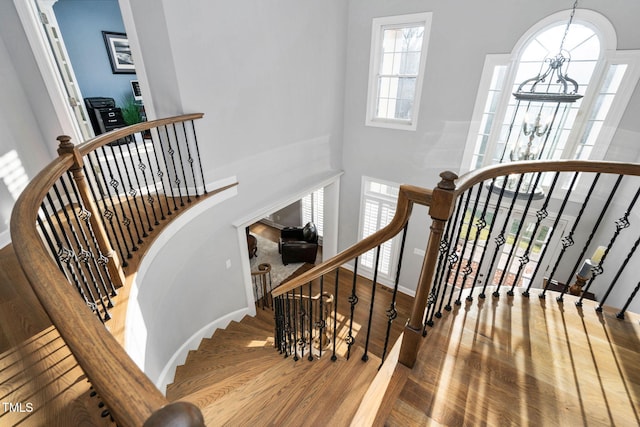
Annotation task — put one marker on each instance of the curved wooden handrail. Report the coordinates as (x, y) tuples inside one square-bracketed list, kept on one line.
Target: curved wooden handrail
[(114, 135), (407, 196), (466, 181), (129, 394)]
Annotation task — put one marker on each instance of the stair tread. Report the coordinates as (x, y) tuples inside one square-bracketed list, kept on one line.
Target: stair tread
[(225, 349)]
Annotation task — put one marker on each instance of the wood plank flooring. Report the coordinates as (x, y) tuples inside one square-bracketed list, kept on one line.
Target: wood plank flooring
[(519, 361)]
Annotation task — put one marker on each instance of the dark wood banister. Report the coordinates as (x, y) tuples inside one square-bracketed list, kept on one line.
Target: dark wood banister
[(130, 395)]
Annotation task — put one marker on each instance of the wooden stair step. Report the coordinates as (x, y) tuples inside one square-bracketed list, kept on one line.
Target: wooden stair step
[(224, 351), (217, 381)]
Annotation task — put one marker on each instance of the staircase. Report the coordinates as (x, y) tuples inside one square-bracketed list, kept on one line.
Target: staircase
[(236, 377)]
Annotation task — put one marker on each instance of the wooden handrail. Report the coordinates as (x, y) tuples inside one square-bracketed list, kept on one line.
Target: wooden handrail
[(476, 176), (407, 196), (128, 393), (114, 135)]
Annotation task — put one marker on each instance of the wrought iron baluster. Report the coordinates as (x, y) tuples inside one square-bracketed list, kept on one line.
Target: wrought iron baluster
[(480, 225), (143, 167), (52, 247), (176, 178), (195, 140), (617, 276), (335, 314), (392, 312), (113, 183), (184, 175), (190, 160), (310, 301), (452, 259), (468, 269), (321, 322), (541, 214), (159, 173), (491, 227), (295, 325), (126, 195), (621, 224), (80, 218), (303, 314), (82, 256), (365, 356), (620, 314), (139, 190), (554, 227), (593, 232), (516, 236), (460, 257), (106, 214), (168, 174), (500, 239), (567, 241), (353, 300)]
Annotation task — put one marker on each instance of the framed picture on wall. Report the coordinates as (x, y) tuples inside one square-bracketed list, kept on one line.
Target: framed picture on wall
[(119, 52)]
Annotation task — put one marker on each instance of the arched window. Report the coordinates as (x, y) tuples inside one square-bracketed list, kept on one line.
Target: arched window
[(580, 130)]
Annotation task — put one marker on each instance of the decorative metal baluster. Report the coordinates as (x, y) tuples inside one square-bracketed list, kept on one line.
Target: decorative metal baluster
[(289, 325), (554, 227), (437, 280), (593, 232), (516, 237), (303, 314), (195, 140), (567, 241), (452, 258), (621, 224), (106, 213), (541, 214), (68, 255), (139, 190), (335, 315), (190, 160), (81, 255), (310, 357), (321, 322), (166, 165), (184, 175), (176, 178), (131, 193), (160, 174), (295, 325), (52, 247), (63, 255), (468, 269), (80, 218), (365, 356), (392, 312), (491, 227), (353, 300), (459, 257), (480, 225), (115, 184), (143, 167), (620, 314), (500, 239), (617, 276)]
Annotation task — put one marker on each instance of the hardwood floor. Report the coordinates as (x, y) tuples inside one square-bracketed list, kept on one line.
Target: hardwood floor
[(519, 361)]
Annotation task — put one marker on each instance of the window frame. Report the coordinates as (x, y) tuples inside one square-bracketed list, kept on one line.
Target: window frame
[(375, 59)]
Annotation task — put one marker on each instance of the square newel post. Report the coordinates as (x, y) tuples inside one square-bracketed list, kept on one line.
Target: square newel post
[(440, 211), (114, 265)]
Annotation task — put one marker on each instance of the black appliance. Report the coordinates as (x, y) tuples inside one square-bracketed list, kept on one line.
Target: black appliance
[(103, 114)]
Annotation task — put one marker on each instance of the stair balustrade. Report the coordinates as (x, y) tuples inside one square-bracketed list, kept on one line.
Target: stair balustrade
[(78, 224)]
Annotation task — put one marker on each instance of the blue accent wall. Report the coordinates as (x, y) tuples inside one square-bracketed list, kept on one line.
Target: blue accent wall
[(81, 24)]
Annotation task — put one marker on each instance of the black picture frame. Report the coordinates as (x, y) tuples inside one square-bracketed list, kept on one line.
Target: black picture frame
[(119, 52)]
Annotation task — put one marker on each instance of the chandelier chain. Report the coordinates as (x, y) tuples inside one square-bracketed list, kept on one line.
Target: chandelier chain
[(566, 30)]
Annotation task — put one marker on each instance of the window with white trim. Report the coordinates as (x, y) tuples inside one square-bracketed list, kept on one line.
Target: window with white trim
[(396, 70), (312, 206), (379, 199), (586, 127)]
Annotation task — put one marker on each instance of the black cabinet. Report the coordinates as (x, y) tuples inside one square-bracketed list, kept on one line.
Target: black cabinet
[(103, 114)]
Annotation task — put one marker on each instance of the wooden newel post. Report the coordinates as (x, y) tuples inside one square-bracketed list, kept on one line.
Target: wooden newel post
[(114, 265), (440, 210)]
